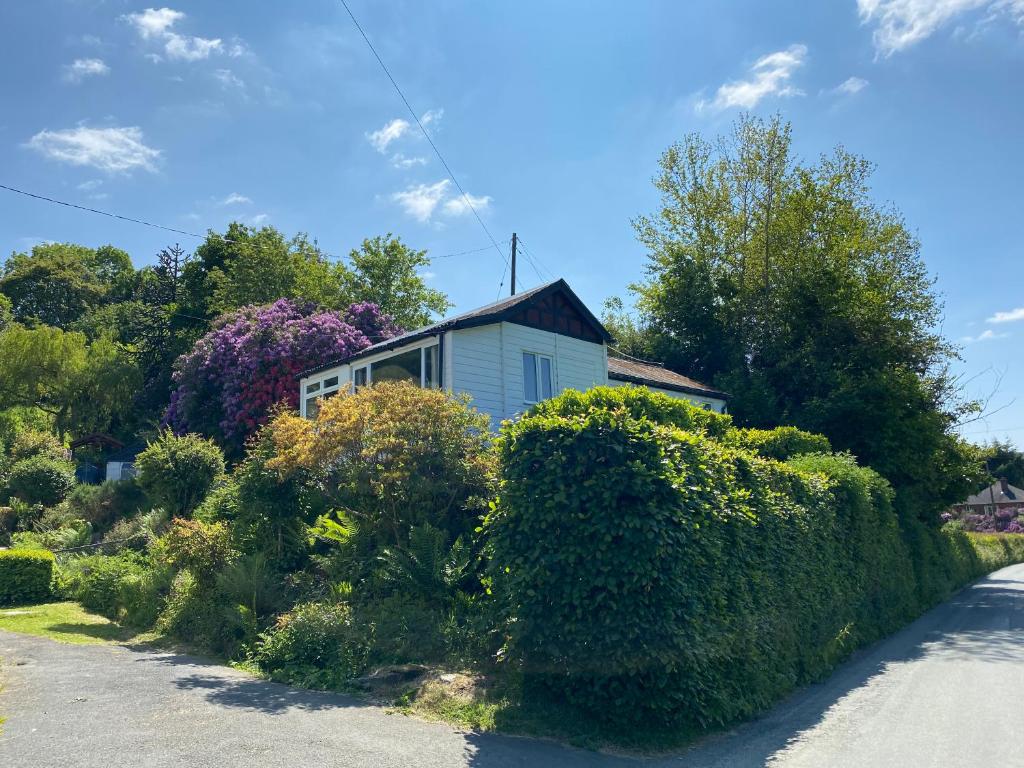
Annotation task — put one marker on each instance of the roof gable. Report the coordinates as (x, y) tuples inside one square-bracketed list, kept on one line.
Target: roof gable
[(552, 307)]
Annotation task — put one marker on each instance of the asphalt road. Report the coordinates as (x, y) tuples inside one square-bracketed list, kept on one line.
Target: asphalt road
[(947, 691)]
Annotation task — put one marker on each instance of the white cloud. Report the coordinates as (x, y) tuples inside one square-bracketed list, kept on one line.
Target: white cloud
[(89, 186), (155, 24), (113, 150), (190, 48), (228, 79), (899, 24), (769, 76), (852, 85), (258, 219), (398, 160), (420, 200), (431, 116), (457, 206), (986, 335), (79, 69), (1010, 316), (382, 138), (235, 199)]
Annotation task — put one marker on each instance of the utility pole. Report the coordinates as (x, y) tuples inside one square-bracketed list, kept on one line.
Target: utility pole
[(515, 242)]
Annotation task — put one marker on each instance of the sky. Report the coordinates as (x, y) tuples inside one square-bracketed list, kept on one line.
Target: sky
[(551, 116)]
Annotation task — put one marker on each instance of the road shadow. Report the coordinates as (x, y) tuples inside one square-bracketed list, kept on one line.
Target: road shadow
[(270, 698)]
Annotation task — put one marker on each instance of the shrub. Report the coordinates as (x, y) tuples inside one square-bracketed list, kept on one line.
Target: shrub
[(780, 443), (196, 612), (639, 403), (127, 587), (201, 548), (35, 442), (393, 456), (230, 381), (650, 572), (26, 576), (106, 504), (316, 645), (178, 472), (41, 480)]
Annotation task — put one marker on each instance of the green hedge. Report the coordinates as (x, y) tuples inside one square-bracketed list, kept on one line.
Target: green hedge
[(26, 576), (780, 443), (653, 573)]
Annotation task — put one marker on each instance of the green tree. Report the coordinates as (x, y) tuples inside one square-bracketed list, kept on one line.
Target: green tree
[(179, 472), (83, 386), (784, 284), (386, 271), (1002, 459)]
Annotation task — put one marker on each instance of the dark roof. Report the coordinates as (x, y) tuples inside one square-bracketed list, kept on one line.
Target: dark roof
[(491, 313), (995, 491), (653, 375)]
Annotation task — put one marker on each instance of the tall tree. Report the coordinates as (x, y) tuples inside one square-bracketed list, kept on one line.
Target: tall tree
[(56, 284), (386, 272), (784, 284)]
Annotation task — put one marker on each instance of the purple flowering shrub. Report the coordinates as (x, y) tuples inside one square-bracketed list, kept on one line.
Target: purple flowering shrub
[(1004, 520), (230, 381)]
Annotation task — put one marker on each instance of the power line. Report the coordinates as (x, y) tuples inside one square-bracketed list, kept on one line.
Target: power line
[(415, 117), (534, 261), (104, 213)]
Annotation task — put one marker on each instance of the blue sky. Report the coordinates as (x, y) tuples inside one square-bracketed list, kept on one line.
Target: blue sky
[(551, 115)]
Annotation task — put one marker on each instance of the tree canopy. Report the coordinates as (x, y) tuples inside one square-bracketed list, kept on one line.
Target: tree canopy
[(783, 283)]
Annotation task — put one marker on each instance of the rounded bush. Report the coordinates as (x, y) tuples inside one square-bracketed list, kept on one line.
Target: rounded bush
[(178, 472), (41, 480), (315, 645)]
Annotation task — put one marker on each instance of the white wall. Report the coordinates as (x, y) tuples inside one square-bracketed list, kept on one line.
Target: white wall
[(487, 363), (477, 368), (711, 402)]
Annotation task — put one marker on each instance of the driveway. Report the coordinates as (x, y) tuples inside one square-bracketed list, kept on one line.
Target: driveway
[(946, 692)]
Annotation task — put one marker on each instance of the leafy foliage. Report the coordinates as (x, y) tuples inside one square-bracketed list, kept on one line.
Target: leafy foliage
[(784, 284), (234, 376), (178, 472), (393, 457), (316, 645), (202, 549), (648, 571), (780, 443), (41, 480), (26, 576)]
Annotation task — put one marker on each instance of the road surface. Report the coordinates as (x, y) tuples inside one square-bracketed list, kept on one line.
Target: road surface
[(946, 691)]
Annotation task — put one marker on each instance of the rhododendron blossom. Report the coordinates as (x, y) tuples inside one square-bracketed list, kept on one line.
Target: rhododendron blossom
[(235, 375)]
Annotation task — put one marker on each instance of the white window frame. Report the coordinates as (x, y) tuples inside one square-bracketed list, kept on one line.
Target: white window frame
[(423, 350), (537, 357)]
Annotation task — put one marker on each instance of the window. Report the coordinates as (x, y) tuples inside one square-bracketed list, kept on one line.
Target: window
[(419, 366), (359, 376), (406, 366), (537, 377)]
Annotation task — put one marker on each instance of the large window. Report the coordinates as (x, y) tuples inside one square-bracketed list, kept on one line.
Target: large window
[(537, 377), (408, 366)]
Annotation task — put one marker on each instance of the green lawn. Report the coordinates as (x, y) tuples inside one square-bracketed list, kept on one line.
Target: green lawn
[(63, 622)]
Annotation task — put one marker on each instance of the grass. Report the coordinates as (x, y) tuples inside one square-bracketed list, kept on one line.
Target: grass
[(64, 622)]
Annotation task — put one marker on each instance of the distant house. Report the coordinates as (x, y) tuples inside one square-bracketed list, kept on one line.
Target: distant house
[(507, 356), (993, 499)]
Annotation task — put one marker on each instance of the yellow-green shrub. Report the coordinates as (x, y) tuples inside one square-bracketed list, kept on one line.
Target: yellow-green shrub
[(26, 576)]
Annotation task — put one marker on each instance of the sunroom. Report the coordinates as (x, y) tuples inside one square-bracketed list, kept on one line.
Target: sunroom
[(418, 363)]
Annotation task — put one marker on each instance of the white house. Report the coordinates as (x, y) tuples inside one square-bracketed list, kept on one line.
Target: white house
[(506, 356)]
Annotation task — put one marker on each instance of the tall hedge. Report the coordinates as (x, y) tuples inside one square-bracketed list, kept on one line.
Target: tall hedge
[(26, 576), (649, 571)]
